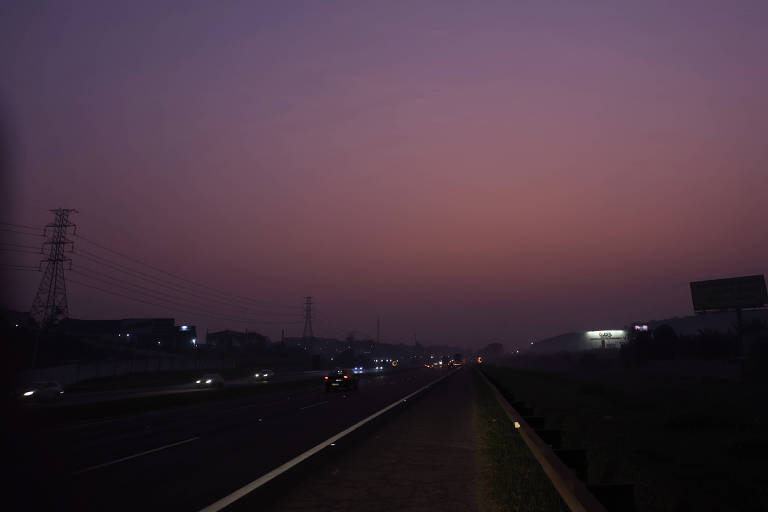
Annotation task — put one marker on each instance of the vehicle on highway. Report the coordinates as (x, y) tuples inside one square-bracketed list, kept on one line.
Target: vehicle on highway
[(41, 391), (264, 374), (357, 369), (341, 378), (210, 380)]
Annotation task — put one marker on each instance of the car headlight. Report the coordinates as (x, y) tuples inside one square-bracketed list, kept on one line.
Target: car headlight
[(198, 381), (29, 393), (209, 381)]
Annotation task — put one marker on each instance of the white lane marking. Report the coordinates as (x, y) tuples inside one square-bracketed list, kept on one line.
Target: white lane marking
[(153, 450), (313, 405), (263, 479)]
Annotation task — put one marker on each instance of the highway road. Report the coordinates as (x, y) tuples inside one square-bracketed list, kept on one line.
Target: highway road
[(188, 458), (187, 387)]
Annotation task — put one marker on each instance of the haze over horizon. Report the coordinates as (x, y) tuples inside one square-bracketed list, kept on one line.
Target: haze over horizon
[(467, 173)]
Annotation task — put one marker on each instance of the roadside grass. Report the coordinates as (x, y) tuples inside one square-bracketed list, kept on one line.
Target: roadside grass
[(513, 479), (687, 443)]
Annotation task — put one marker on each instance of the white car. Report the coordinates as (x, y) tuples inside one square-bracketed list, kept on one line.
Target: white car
[(210, 380), (264, 374), (41, 391)]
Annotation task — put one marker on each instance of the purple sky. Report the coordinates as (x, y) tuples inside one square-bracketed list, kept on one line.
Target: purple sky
[(468, 171)]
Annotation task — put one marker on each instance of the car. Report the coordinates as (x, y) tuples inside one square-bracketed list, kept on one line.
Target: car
[(357, 369), (264, 374), (41, 391), (341, 378), (210, 380)]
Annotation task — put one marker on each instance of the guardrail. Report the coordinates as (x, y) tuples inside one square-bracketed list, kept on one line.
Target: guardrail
[(573, 491)]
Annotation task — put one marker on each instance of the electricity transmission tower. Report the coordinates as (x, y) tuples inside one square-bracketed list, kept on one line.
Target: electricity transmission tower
[(308, 319), (50, 304)]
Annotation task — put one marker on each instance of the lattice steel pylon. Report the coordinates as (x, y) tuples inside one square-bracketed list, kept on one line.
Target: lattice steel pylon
[(50, 304), (308, 319)]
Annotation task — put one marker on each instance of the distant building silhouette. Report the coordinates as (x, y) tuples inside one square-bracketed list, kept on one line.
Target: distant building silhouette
[(227, 339), (154, 333), (720, 321)]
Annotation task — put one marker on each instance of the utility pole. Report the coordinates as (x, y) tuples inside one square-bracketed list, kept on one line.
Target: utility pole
[(50, 303), (308, 318)]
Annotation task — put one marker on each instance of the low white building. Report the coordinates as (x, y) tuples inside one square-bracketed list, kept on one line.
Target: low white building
[(581, 341)]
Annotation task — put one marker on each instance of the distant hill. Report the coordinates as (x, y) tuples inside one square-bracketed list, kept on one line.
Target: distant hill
[(568, 342)]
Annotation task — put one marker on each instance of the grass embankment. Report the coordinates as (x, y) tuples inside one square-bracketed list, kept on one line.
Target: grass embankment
[(513, 479), (687, 443)]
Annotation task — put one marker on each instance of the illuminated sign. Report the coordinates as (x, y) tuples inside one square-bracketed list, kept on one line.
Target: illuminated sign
[(641, 327), (607, 334)]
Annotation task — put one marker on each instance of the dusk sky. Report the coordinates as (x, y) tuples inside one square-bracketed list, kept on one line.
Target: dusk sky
[(470, 172)]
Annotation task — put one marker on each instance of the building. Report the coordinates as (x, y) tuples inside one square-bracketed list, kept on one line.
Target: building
[(605, 339)]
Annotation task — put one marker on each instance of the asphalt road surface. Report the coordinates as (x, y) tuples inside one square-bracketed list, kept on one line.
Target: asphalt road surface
[(187, 458), (189, 387)]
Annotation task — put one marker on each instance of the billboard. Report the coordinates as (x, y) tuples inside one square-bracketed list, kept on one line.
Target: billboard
[(731, 293)]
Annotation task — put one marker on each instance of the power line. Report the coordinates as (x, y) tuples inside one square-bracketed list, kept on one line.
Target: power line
[(232, 298), (154, 294), (198, 313), (20, 251), (34, 228), (19, 267), (158, 282), (23, 246), (165, 298), (22, 232), (175, 276)]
